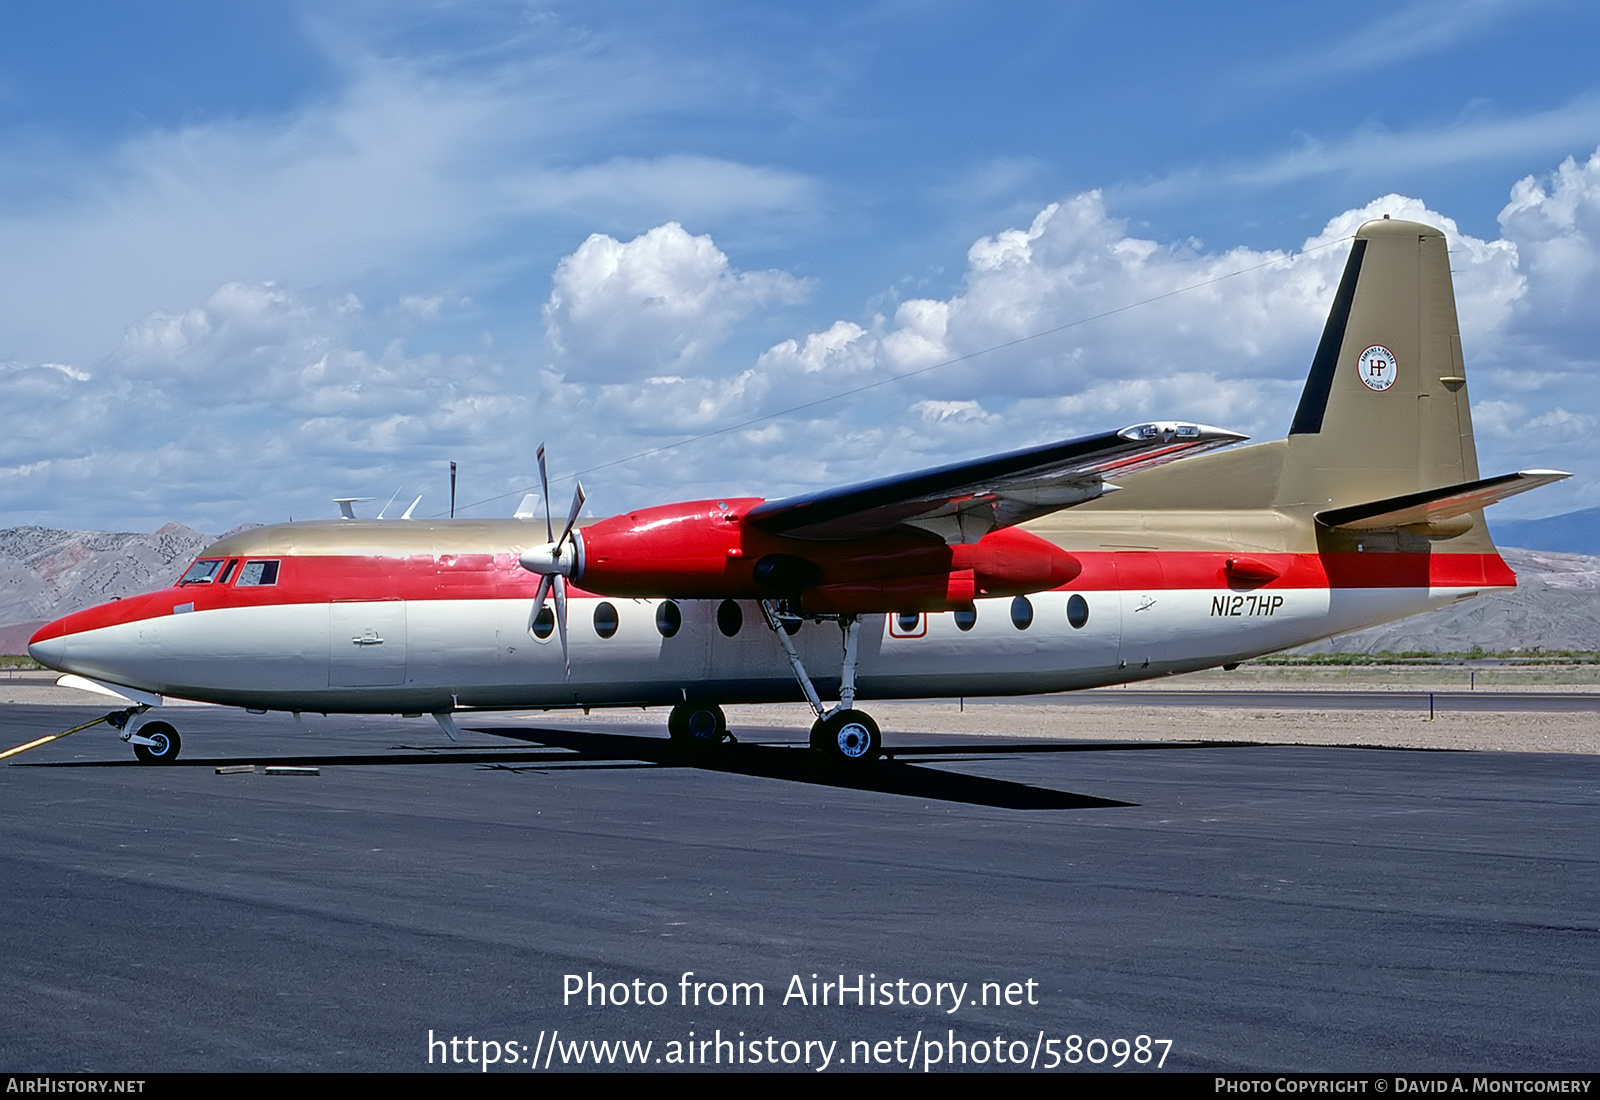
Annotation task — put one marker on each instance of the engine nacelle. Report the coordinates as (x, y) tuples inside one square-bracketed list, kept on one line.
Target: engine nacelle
[(706, 550)]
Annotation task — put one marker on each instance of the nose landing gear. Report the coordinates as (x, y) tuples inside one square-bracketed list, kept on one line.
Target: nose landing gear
[(154, 743)]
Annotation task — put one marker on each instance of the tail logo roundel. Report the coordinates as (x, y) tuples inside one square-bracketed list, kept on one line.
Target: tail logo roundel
[(1377, 368)]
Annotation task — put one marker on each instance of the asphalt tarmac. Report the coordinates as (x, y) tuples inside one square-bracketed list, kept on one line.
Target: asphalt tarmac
[(1245, 907)]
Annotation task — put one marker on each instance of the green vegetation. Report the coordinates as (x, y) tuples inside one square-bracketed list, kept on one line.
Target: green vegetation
[(19, 662)]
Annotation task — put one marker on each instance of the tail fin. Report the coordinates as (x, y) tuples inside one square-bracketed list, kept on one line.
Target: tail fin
[(1384, 412)]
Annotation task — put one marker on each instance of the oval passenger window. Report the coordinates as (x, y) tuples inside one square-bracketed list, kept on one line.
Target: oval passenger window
[(544, 624), (1021, 613), (1077, 611), (669, 620)]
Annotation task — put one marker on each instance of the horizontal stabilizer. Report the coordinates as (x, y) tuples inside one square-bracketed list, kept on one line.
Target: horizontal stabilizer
[(1433, 506), (964, 501)]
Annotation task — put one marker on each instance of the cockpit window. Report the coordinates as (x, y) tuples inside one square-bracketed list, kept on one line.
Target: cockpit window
[(257, 573), (202, 571), (228, 572)]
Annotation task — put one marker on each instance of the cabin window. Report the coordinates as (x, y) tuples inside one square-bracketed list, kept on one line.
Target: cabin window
[(1021, 613), (605, 619), (544, 624), (907, 621), (257, 573), (966, 618), (729, 618), (201, 572), (1077, 611), (669, 620)]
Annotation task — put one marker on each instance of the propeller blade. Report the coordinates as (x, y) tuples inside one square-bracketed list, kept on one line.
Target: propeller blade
[(561, 620), (554, 582), (544, 484), (572, 517), (539, 598)]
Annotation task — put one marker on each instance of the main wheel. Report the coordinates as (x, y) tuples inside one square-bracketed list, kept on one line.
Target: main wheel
[(848, 736), (165, 749), (697, 725)]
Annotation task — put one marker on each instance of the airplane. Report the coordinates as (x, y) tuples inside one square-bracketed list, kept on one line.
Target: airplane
[(1161, 548)]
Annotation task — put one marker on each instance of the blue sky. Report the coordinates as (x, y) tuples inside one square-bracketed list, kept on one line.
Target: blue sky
[(257, 255)]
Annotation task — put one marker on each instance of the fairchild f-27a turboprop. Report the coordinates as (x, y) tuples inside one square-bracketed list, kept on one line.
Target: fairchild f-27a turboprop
[(1018, 573)]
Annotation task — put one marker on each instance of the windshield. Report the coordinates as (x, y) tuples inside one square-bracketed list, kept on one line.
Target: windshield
[(201, 572)]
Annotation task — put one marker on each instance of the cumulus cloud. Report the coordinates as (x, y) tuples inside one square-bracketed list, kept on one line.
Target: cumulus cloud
[(1134, 328), (265, 399), (1556, 229), (652, 305)]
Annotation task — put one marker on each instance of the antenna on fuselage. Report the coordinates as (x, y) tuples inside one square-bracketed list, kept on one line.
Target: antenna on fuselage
[(347, 505), (452, 490), (385, 508)]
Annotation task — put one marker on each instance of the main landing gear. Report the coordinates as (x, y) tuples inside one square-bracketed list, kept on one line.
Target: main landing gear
[(843, 734), (697, 725), (847, 735)]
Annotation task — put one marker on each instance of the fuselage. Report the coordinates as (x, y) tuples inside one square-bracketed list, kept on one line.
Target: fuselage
[(419, 617)]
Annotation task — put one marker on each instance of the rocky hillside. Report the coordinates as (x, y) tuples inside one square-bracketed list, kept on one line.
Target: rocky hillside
[(46, 573)]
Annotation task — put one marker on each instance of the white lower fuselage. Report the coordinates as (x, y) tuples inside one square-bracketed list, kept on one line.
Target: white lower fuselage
[(428, 655)]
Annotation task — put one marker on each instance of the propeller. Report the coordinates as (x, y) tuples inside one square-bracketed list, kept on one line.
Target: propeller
[(554, 561)]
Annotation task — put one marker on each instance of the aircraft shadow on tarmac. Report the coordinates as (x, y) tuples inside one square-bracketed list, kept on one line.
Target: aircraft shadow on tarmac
[(568, 749), (798, 764)]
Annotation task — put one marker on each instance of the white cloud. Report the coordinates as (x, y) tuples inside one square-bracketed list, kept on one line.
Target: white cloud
[(1415, 30), (266, 399), (1557, 233), (402, 171), (652, 305)]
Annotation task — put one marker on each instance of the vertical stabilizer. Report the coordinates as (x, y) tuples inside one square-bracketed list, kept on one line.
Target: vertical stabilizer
[(1384, 412)]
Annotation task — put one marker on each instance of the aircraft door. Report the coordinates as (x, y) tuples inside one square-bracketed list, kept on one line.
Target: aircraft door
[(1146, 610), (366, 643)]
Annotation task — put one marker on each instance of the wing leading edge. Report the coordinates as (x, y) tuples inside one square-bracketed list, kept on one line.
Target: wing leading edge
[(964, 501)]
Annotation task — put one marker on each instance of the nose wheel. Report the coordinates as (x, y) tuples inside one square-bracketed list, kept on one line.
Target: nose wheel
[(156, 743)]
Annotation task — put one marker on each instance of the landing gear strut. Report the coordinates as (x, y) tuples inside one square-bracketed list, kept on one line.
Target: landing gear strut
[(843, 734)]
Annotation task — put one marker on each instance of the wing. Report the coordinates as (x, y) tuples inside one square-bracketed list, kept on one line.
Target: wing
[(965, 501)]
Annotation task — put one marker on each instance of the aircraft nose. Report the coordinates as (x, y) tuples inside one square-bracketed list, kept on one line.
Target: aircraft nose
[(48, 646)]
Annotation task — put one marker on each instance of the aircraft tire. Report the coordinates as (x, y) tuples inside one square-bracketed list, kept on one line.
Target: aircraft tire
[(165, 752), (697, 725), (848, 737)]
